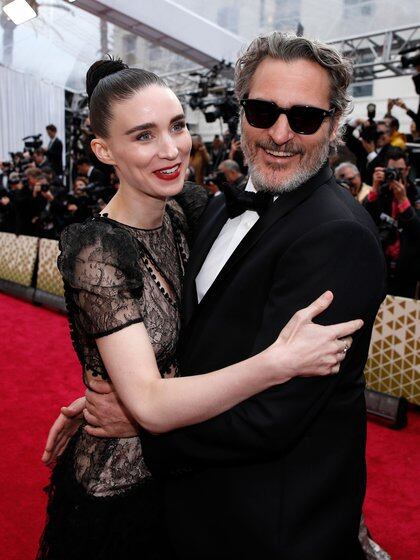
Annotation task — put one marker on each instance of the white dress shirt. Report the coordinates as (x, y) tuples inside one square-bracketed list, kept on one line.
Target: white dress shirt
[(228, 239)]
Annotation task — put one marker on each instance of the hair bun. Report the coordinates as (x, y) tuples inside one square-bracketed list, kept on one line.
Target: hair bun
[(100, 69)]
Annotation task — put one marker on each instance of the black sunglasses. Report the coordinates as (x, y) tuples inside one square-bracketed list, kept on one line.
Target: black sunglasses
[(303, 119)]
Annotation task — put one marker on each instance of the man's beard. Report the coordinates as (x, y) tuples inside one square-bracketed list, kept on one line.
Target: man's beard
[(309, 165)]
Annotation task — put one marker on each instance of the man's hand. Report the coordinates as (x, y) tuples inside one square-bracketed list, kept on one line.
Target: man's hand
[(378, 178), (106, 415), (48, 195), (235, 147), (400, 103), (400, 193), (62, 430)]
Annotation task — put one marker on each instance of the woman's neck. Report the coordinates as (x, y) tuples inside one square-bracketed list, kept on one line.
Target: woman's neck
[(135, 208)]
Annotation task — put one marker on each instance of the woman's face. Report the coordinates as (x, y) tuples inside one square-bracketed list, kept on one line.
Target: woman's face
[(149, 142)]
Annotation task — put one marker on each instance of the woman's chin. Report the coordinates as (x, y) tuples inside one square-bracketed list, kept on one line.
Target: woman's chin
[(171, 188)]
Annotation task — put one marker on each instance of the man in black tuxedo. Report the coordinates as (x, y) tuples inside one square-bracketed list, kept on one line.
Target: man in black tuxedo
[(280, 476), (93, 174), (55, 150)]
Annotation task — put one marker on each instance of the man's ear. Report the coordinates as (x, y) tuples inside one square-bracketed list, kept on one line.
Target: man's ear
[(102, 151)]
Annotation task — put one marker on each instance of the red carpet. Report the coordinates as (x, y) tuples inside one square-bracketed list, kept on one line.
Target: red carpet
[(39, 373)]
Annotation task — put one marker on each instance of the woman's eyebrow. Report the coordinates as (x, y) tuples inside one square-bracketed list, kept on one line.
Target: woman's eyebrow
[(139, 127), (148, 125)]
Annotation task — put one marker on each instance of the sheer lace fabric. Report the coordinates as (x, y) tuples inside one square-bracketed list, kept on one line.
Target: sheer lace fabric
[(115, 276)]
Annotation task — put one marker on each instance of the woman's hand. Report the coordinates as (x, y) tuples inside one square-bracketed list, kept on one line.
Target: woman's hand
[(305, 349), (62, 430)]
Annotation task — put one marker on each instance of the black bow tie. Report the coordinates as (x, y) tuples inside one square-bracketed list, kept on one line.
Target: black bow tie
[(239, 201)]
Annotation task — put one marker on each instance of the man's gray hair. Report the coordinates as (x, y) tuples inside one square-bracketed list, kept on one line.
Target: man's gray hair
[(345, 165), (288, 47), (231, 165)]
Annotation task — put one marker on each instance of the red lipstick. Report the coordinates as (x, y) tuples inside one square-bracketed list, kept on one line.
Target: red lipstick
[(166, 173)]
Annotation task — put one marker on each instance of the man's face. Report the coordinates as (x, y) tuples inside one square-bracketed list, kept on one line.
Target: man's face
[(384, 137), (32, 181), (401, 166), (50, 133), (351, 177), (279, 158), (228, 174), (38, 158)]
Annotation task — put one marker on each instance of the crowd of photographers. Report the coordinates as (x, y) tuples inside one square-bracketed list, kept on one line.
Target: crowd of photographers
[(34, 196), (376, 163), (379, 169)]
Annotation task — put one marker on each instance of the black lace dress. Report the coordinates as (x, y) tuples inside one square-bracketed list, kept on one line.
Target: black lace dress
[(103, 502)]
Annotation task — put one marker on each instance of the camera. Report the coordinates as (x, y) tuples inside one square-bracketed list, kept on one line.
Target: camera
[(32, 142), (371, 112), (392, 174), (388, 229), (217, 178), (410, 57)]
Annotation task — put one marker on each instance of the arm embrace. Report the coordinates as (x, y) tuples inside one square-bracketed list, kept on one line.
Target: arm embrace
[(342, 256), (161, 405)]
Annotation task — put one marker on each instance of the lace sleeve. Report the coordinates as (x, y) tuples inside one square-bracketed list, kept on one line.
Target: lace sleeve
[(99, 264)]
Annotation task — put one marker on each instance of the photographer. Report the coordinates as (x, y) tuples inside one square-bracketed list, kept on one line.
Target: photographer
[(228, 172), (86, 169), (414, 116), (46, 210), (349, 176), (54, 150), (217, 153), (20, 205), (6, 219), (371, 147), (40, 158), (394, 204), (398, 140), (231, 172), (79, 204)]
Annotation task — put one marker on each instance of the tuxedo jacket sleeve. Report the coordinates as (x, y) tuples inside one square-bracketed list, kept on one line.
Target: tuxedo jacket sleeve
[(266, 425), (56, 150)]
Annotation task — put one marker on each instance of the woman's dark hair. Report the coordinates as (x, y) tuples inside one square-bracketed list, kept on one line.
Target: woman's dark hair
[(111, 80)]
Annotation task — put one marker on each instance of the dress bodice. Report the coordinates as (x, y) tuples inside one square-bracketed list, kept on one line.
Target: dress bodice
[(116, 275)]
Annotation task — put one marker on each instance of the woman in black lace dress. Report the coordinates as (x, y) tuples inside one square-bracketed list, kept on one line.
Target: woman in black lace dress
[(122, 272)]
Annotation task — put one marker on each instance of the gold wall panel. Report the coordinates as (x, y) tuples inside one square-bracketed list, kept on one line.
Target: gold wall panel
[(393, 365), (17, 258), (49, 278)]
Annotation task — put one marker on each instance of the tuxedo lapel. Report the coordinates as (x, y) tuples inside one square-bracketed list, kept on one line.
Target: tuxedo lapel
[(213, 221), (284, 204)]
